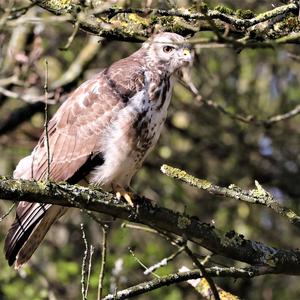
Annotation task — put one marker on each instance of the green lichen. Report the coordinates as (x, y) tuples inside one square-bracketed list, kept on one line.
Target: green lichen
[(183, 222), (203, 7), (57, 4), (259, 192), (42, 184), (184, 176), (138, 20), (153, 19), (224, 10), (289, 24), (271, 260), (231, 238), (245, 13), (291, 215)]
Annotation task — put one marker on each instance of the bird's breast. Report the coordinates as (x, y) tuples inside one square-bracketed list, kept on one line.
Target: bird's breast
[(150, 119)]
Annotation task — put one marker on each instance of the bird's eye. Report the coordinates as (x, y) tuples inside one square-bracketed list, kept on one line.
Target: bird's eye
[(168, 49)]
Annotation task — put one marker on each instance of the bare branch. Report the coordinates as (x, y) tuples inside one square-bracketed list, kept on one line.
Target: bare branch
[(103, 262), (46, 120), (27, 98), (203, 272), (83, 266), (147, 286), (89, 271), (7, 213)]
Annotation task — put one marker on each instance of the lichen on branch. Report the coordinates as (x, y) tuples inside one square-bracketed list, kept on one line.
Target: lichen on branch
[(240, 28), (228, 244)]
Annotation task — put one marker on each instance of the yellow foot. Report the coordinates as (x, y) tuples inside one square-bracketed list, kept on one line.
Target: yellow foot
[(121, 192)]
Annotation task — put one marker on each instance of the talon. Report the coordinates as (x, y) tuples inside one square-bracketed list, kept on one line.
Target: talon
[(121, 192)]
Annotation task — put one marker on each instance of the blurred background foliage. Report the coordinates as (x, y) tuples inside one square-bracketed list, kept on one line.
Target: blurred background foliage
[(196, 138)]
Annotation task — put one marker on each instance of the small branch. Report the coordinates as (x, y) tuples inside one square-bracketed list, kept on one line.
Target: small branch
[(249, 119), (202, 287), (71, 37), (27, 98), (103, 262), (83, 266), (141, 263), (89, 271), (85, 56), (148, 286), (7, 213), (278, 118), (163, 262), (138, 227), (203, 272), (46, 121), (257, 196)]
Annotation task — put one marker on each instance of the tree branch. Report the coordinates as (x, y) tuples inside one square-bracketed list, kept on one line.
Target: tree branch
[(229, 244), (256, 196), (134, 24), (180, 277)]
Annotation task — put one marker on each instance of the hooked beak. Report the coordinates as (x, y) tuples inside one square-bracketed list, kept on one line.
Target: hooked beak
[(187, 55)]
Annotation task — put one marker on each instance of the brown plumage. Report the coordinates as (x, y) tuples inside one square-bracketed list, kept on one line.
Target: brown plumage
[(103, 132)]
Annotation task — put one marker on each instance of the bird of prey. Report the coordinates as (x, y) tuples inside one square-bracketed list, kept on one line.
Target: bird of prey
[(103, 132)]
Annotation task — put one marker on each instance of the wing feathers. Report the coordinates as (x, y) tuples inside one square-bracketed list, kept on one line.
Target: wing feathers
[(75, 135)]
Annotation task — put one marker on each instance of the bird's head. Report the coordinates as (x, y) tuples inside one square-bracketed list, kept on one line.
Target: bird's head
[(168, 51)]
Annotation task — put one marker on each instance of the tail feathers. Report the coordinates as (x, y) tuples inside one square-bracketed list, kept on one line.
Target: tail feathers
[(37, 236), (28, 216)]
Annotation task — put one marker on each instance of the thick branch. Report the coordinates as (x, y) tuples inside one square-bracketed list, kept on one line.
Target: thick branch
[(135, 24), (228, 244)]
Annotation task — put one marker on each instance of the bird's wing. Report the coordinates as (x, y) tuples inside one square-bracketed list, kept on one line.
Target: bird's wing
[(74, 133)]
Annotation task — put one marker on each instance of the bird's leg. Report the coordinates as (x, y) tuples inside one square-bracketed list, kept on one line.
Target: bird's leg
[(122, 192)]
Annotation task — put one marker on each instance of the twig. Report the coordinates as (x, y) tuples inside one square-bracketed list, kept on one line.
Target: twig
[(46, 120), (84, 57), (292, 113), (141, 263), (138, 227), (7, 213), (19, 11), (203, 272), (103, 262), (6, 14), (27, 98), (38, 20), (164, 261), (89, 270), (72, 36), (83, 266), (249, 119), (256, 196)]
